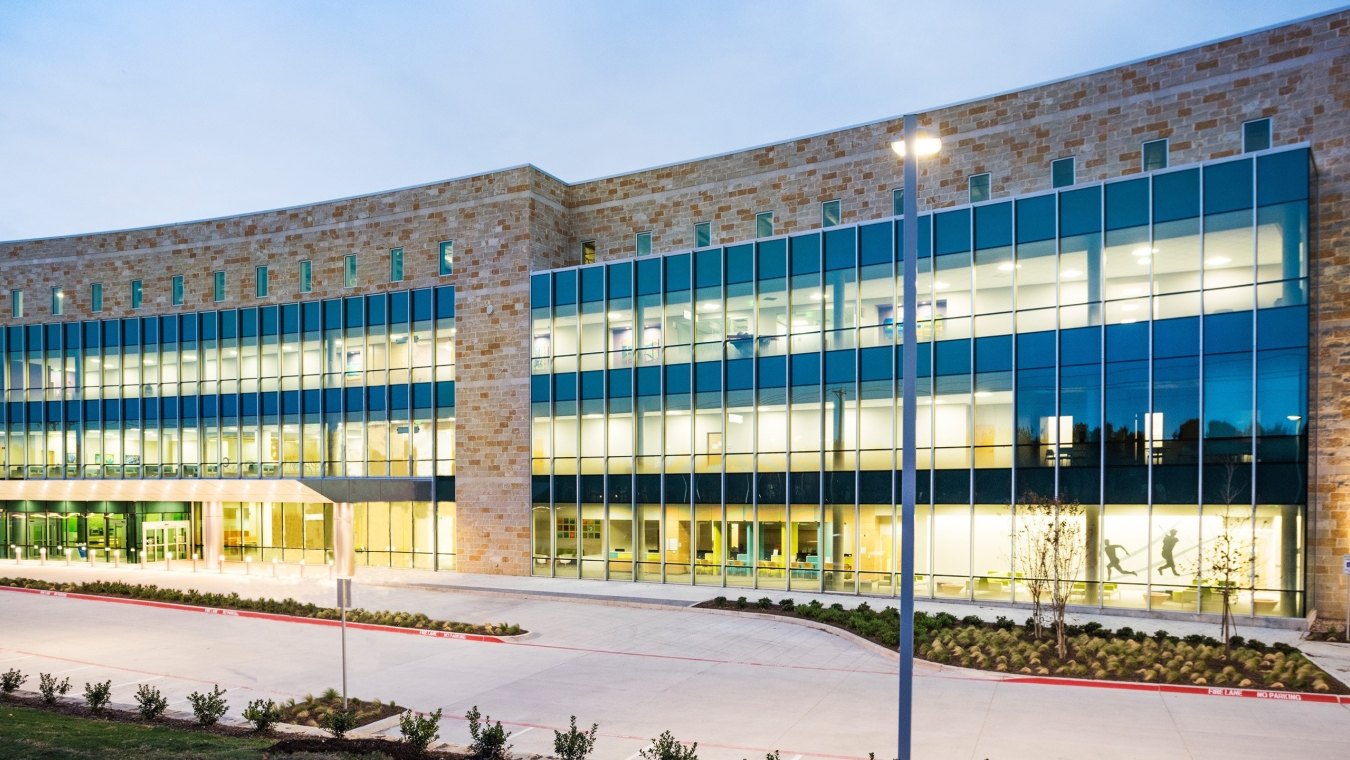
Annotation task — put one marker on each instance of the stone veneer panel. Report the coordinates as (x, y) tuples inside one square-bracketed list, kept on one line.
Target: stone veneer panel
[(508, 223)]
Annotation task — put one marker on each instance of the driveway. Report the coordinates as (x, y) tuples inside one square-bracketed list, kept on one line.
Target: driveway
[(741, 686)]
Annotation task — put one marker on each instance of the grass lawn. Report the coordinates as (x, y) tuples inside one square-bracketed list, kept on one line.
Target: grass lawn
[(27, 734)]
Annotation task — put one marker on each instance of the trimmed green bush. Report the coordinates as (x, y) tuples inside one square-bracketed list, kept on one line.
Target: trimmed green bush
[(339, 722), (52, 689), (97, 696), (489, 741), (11, 680), (666, 747), (209, 707), (418, 730), (262, 713), (149, 702), (574, 745)]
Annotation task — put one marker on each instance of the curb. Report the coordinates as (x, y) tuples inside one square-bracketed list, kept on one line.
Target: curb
[(276, 617), (1011, 678), (1169, 688)]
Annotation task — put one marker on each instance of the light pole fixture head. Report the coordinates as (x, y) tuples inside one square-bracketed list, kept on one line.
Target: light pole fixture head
[(924, 145)]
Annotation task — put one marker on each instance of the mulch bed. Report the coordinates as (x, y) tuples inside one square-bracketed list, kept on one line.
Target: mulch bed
[(1092, 655), (396, 750)]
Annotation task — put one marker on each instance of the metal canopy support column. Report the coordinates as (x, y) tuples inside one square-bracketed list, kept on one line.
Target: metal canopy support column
[(213, 534), (344, 539)]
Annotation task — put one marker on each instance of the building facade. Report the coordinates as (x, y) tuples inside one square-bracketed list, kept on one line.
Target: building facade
[(1129, 297)]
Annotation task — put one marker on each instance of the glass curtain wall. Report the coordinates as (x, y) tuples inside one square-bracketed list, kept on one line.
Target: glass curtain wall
[(1138, 347), (355, 387)]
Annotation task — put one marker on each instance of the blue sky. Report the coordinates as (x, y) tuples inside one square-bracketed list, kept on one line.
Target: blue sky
[(125, 114)]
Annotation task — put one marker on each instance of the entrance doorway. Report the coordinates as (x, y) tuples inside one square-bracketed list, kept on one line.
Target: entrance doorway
[(159, 539)]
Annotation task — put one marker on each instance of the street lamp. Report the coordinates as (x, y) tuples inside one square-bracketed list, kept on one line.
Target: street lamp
[(913, 147)]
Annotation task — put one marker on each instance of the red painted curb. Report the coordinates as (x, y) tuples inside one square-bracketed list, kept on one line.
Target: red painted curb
[(1168, 688), (484, 638)]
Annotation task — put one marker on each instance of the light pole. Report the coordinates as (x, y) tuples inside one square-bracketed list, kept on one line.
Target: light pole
[(910, 149)]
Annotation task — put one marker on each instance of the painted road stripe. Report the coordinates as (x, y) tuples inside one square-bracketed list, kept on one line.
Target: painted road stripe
[(1284, 696)]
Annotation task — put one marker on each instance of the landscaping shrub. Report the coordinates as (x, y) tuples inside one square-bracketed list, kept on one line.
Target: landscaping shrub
[(277, 606), (314, 711), (209, 707), (787, 605), (765, 603), (741, 603), (418, 730), (97, 696), (1091, 651), (149, 702), (11, 680), (262, 713), (489, 741), (665, 747), (339, 722), (51, 689), (574, 745)]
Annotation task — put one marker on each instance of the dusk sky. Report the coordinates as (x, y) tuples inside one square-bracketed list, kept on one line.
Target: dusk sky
[(125, 114)]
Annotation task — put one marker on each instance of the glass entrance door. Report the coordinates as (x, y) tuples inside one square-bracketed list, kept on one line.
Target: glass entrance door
[(160, 539)]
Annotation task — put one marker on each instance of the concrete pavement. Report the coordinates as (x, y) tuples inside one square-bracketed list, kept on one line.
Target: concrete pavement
[(632, 658)]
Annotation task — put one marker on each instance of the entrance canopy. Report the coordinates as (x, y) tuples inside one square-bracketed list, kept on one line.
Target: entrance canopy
[(309, 491)]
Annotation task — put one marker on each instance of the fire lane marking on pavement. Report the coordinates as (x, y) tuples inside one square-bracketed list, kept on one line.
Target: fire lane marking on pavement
[(1168, 688)]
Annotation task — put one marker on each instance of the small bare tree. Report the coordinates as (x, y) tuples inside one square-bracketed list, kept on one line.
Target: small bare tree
[(1031, 560), (1226, 563), (1051, 551)]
